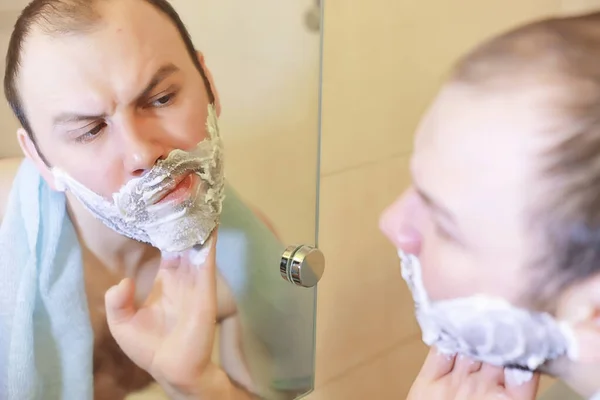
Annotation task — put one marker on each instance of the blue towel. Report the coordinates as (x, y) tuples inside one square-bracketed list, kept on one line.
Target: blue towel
[(46, 339), (46, 335)]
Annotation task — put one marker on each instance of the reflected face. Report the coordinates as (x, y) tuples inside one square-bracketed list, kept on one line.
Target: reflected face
[(465, 214), (475, 180), (106, 105)]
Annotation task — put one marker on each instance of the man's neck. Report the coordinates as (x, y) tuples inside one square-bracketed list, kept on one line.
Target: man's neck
[(119, 253), (583, 379)]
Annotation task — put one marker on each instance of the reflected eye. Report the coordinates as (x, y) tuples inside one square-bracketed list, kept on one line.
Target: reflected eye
[(163, 101)]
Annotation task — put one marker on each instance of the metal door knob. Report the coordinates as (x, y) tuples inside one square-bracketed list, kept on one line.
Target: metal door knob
[(302, 265)]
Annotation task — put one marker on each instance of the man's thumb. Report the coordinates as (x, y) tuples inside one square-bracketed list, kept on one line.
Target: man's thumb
[(120, 303)]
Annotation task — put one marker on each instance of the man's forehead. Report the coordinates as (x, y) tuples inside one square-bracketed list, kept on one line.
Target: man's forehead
[(120, 54), (124, 26), (472, 147), (464, 119)]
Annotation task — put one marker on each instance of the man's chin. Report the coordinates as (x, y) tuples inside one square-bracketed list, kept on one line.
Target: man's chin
[(181, 234)]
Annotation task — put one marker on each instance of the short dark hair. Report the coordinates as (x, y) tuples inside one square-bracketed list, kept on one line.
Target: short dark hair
[(564, 216), (61, 17)]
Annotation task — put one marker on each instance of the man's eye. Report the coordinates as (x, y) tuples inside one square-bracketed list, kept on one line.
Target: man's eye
[(163, 101), (91, 134)]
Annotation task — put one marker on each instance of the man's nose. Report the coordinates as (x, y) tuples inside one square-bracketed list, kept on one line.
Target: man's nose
[(141, 150), (398, 223)]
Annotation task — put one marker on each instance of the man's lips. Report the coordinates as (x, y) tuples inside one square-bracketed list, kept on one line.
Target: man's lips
[(176, 191)]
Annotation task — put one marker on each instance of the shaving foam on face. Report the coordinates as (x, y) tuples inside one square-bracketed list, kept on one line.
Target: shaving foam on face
[(134, 211), (488, 329)]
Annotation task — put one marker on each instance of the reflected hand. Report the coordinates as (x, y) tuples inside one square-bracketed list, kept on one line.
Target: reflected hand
[(171, 335), (444, 377)]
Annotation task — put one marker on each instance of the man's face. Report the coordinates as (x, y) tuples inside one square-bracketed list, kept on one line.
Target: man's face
[(106, 105), (464, 215)]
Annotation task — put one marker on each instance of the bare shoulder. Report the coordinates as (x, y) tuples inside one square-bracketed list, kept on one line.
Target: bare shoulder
[(8, 170)]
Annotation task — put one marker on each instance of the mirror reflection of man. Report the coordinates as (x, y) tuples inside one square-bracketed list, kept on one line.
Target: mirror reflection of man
[(104, 90), (502, 217)]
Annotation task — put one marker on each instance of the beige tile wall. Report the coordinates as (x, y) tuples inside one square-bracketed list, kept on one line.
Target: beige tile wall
[(383, 61), (578, 6)]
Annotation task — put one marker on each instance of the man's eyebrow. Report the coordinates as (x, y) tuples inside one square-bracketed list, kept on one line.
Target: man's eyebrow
[(68, 117), (161, 74)]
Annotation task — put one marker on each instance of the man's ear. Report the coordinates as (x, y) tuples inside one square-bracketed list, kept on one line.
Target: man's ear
[(579, 307), (211, 82), (30, 150)]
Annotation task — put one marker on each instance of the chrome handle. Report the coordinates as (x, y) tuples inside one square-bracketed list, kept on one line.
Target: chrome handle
[(302, 265)]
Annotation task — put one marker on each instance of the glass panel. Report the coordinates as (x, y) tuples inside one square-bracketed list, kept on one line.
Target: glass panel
[(265, 61)]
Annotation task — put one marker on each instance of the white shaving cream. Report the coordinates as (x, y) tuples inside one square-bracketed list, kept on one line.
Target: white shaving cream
[(488, 329), (134, 212)]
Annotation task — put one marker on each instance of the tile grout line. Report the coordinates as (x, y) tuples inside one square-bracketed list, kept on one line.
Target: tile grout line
[(370, 359), (364, 164)]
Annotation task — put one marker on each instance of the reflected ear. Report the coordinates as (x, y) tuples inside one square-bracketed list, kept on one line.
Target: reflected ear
[(579, 306), (31, 152), (211, 82)]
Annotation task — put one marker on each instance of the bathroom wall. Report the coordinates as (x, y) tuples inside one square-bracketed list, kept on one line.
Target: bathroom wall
[(383, 61), (578, 6)]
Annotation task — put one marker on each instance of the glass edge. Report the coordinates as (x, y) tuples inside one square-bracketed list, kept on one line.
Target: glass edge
[(319, 125), (318, 191)]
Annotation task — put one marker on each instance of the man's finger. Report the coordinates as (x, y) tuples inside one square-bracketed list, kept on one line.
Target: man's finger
[(120, 303), (203, 263), (436, 365), (523, 390), (202, 299), (201, 257), (170, 260), (463, 367), (491, 375), (192, 286)]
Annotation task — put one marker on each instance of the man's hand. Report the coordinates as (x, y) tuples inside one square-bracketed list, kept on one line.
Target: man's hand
[(445, 377), (172, 334)]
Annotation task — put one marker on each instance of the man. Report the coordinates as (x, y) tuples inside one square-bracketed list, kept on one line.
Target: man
[(500, 229), (105, 92)]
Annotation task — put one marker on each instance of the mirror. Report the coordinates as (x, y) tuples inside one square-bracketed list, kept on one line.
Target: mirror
[(260, 63)]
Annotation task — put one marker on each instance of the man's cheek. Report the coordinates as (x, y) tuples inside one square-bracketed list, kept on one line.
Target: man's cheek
[(433, 278), (443, 280), (103, 180)]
